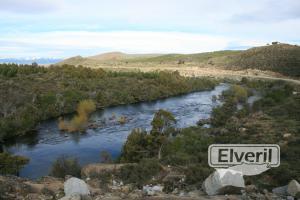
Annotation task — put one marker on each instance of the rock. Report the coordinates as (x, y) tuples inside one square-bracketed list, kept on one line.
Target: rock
[(290, 198), (75, 186), (250, 188), (281, 191), (224, 181), (126, 189), (99, 168), (32, 196), (72, 197), (196, 194), (135, 194), (202, 122), (293, 188), (152, 190)]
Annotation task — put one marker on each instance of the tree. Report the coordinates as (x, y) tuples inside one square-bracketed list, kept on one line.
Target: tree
[(141, 144), (162, 126), (162, 122)]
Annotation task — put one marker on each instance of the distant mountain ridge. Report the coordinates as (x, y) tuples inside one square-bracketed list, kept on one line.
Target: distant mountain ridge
[(40, 61)]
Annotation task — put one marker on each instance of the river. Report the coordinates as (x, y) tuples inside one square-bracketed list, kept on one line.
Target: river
[(49, 143)]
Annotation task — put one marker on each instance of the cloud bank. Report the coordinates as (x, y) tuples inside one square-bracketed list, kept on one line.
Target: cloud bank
[(67, 27)]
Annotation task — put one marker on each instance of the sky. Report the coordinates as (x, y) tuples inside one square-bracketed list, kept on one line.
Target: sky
[(65, 28)]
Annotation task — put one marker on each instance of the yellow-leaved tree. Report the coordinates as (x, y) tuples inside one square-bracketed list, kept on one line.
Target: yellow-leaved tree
[(79, 121)]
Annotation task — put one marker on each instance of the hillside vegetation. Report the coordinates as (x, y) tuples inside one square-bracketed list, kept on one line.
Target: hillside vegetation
[(273, 119), (280, 58), (30, 94)]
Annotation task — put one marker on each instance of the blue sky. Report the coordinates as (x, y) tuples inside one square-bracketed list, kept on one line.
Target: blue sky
[(64, 28)]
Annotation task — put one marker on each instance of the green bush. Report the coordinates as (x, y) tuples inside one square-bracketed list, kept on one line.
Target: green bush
[(11, 164), (196, 174), (141, 173), (65, 166)]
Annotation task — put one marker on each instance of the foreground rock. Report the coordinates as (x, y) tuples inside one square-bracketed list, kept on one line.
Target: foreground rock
[(152, 190), (224, 181), (76, 186), (72, 197), (99, 168), (281, 191), (50, 188), (293, 188)]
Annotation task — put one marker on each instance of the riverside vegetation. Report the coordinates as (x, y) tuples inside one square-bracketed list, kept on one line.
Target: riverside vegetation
[(31, 93), (273, 119)]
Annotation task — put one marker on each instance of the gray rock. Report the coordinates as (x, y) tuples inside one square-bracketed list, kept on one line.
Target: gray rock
[(75, 186), (293, 188), (152, 190), (289, 198), (224, 181), (281, 191), (72, 197)]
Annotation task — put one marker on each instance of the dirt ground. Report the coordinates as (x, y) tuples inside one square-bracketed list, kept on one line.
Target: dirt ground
[(207, 71)]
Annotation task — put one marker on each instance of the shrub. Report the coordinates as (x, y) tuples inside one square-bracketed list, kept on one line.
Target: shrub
[(221, 114), (79, 121), (106, 157), (65, 166), (136, 146), (10, 164), (237, 93), (103, 178), (196, 174), (141, 173)]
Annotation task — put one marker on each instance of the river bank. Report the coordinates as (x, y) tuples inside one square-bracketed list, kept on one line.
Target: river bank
[(49, 142)]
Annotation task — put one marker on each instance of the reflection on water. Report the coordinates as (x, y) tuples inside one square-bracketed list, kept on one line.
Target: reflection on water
[(49, 143)]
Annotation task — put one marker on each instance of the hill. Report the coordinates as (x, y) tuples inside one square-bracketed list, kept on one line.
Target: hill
[(76, 60), (108, 58), (282, 58), (113, 56), (119, 57)]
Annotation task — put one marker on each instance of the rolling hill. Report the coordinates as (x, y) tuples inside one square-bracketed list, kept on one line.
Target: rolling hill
[(280, 58)]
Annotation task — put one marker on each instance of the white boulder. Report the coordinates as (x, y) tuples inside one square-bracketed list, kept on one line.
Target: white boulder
[(72, 197), (293, 188), (152, 190), (224, 181), (74, 186)]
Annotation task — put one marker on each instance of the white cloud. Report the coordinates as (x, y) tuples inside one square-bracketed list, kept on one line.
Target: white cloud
[(69, 27), (68, 43), (28, 6)]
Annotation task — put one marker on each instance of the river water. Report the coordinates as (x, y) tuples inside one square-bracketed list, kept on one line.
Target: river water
[(49, 143)]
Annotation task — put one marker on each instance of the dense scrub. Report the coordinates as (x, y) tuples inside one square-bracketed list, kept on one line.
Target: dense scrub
[(10, 164), (274, 119), (282, 58), (64, 166), (29, 93)]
